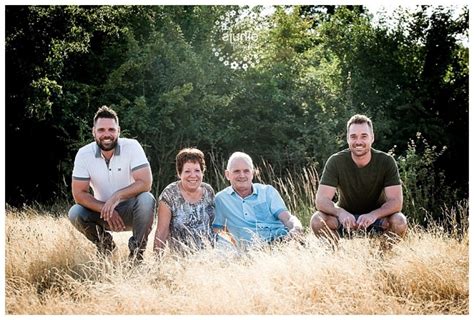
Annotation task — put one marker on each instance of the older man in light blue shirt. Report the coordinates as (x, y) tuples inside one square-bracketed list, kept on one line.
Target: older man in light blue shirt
[(251, 212)]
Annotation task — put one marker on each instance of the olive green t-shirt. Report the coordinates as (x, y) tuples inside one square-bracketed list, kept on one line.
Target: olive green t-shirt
[(360, 190)]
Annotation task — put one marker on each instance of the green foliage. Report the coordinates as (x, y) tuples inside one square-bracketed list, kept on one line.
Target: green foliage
[(156, 66), (424, 183), (41, 100)]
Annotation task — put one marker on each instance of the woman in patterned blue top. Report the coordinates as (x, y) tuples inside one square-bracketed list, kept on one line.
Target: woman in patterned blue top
[(186, 207)]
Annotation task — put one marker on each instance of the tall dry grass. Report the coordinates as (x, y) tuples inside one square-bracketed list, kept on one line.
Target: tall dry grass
[(52, 269)]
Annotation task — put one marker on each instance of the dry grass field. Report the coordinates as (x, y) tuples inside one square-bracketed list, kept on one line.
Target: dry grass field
[(52, 269)]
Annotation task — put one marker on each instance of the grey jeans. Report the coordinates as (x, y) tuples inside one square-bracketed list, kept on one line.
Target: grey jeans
[(137, 214)]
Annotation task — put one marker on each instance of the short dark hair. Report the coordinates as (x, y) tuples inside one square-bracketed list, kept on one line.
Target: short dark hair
[(189, 154), (106, 112), (360, 119)]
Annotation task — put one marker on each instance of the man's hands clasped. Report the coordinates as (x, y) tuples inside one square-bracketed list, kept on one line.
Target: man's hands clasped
[(349, 222)]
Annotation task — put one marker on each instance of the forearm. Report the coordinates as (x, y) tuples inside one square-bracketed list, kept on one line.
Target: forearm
[(88, 201), (328, 206), (160, 240), (132, 190), (163, 227), (293, 223), (388, 208)]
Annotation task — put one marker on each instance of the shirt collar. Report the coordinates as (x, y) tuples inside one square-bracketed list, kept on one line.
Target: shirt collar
[(230, 190), (98, 153)]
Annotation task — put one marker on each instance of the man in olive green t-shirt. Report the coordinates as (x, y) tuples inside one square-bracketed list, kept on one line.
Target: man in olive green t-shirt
[(367, 183)]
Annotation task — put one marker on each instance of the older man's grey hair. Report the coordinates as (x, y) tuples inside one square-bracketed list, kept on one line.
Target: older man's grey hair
[(242, 156)]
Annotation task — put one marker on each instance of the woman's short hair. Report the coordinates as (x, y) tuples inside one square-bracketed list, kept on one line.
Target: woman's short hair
[(189, 154)]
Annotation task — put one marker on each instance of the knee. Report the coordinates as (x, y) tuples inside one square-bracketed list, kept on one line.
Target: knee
[(74, 213), (398, 224), (77, 214), (146, 204), (146, 199), (316, 222)]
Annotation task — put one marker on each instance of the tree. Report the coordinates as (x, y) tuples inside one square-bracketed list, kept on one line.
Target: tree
[(157, 66)]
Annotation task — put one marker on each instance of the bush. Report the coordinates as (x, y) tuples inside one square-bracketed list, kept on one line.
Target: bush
[(426, 193)]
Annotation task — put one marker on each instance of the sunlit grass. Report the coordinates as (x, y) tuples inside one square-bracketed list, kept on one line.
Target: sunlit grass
[(52, 269)]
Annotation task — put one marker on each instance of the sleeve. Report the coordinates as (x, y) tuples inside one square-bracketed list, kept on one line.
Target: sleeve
[(392, 175), (80, 171), (330, 176), (138, 156), (219, 219), (167, 196), (277, 205), (210, 192)]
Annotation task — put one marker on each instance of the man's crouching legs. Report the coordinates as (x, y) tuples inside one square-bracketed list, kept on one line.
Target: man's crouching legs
[(397, 224), (143, 214), (324, 225)]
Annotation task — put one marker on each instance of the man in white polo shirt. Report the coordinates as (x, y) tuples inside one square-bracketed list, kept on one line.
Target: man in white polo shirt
[(119, 174)]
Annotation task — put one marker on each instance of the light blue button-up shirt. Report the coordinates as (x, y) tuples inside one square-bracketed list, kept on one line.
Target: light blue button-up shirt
[(253, 217)]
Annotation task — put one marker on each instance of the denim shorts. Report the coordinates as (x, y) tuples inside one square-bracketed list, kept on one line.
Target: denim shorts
[(374, 228)]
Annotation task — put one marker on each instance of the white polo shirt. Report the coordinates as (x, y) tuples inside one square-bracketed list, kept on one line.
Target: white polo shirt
[(104, 179)]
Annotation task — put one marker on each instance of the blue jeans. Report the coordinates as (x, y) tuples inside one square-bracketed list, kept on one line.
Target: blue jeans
[(137, 214)]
